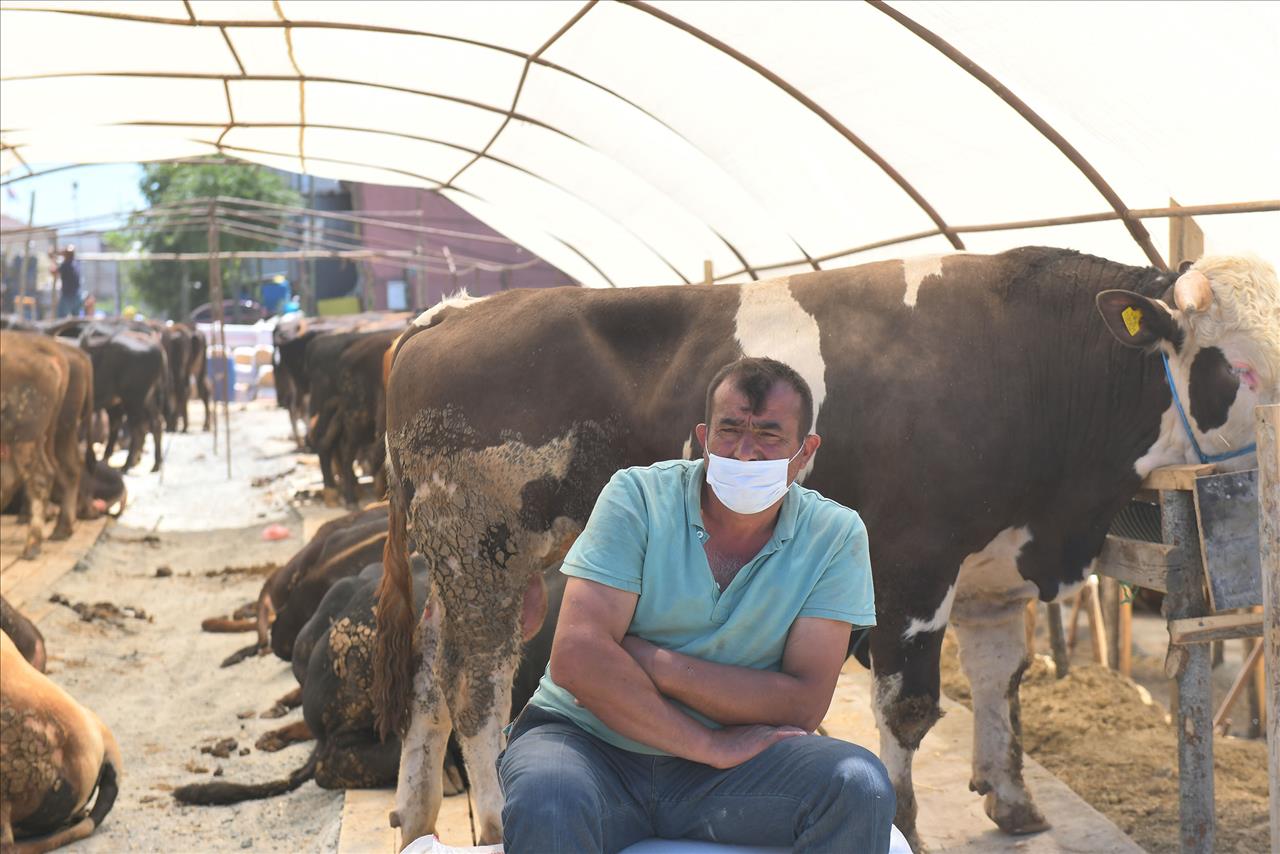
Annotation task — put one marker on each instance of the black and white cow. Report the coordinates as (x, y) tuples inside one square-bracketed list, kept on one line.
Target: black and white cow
[(986, 415)]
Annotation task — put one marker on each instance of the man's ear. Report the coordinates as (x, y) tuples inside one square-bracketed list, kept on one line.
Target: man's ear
[(701, 432), (1135, 320)]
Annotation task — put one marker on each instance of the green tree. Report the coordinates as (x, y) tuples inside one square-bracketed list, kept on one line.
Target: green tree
[(159, 283)]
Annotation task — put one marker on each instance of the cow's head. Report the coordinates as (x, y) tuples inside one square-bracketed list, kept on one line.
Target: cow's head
[(1221, 339)]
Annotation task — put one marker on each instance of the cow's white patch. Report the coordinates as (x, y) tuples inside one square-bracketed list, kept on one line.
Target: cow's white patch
[(935, 623), (991, 576), (461, 299), (915, 271), (896, 758), (770, 322)]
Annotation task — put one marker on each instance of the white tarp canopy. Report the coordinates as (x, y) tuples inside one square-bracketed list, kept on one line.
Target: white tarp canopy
[(627, 143)]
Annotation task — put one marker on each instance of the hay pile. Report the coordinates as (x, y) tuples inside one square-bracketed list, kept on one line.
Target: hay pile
[(1098, 733)]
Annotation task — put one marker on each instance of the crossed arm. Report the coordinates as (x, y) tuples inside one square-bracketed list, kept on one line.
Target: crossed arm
[(626, 681)]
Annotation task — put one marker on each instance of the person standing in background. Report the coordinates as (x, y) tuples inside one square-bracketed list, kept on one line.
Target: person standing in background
[(69, 274)]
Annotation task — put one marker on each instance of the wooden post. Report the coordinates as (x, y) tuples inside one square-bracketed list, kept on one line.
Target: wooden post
[(1193, 720), (215, 294), (1058, 640), (707, 277), (1097, 626), (1186, 240), (1268, 419), (1109, 597), (1125, 650), (1029, 625)]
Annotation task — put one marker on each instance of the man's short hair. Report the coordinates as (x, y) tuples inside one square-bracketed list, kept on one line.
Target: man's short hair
[(754, 376)]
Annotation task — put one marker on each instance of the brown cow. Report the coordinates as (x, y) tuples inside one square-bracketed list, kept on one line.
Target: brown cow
[(23, 633), (35, 383), (54, 754)]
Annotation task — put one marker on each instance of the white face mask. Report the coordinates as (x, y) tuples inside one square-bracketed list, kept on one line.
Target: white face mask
[(749, 486)]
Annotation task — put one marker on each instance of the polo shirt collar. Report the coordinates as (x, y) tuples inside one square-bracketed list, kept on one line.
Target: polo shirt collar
[(782, 531)]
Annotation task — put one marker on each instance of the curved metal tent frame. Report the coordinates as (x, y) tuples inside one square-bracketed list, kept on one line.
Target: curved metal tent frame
[(229, 27)]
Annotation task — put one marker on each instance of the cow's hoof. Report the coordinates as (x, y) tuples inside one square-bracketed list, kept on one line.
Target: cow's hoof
[(1015, 818), (31, 552), (453, 784), (913, 839), (330, 496), (61, 533), (155, 468)]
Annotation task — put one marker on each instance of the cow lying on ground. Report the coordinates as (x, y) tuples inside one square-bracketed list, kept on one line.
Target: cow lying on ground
[(333, 663), (340, 548), (54, 754), (24, 634), (44, 401), (975, 410)]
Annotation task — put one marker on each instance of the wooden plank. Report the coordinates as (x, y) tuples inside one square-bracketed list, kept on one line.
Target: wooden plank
[(26, 583), (1242, 678), (1182, 477), (1138, 563), (365, 828), (1227, 517), (1268, 421), (1217, 627)]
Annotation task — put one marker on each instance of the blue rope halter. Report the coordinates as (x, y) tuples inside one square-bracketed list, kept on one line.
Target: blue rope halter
[(1186, 425)]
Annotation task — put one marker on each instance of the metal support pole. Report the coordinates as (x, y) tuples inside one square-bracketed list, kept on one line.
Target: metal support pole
[(1193, 720), (26, 266), (215, 293), (1268, 420)]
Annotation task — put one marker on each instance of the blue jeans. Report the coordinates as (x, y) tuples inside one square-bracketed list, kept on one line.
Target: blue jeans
[(568, 791), (69, 305)]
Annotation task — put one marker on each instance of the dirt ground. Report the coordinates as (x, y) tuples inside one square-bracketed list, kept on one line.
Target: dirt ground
[(156, 682), (1116, 748)]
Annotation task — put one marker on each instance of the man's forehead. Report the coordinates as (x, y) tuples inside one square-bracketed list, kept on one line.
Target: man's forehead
[(781, 401)]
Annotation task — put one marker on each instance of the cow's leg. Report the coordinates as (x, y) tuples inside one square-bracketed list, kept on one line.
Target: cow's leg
[(347, 469), (157, 436), (38, 473), (993, 654), (114, 416), (991, 597), (420, 784), (70, 471), (479, 730), (905, 701)]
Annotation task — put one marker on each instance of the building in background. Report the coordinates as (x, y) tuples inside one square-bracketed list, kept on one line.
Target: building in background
[(394, 286), (26, 258)]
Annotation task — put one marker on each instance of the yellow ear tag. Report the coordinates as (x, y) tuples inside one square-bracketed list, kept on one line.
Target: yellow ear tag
[(1132, 320)]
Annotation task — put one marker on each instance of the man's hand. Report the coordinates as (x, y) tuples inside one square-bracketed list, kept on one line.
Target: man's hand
[(734, 745)]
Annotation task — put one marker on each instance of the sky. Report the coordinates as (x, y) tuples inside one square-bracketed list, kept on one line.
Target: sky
[(81, 191)]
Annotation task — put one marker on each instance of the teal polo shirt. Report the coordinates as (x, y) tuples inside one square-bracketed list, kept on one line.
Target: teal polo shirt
[(645, 536)]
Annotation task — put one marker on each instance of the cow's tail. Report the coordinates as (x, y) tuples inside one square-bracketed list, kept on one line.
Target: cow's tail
[(221, 794), (393, 654)]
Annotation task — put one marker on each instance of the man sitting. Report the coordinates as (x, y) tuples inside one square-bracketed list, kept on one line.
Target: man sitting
[(703, 628)]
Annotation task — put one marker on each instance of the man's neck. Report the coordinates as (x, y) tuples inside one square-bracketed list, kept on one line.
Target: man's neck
[(737, 527)]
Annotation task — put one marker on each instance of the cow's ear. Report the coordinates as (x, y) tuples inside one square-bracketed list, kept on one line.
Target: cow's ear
[(1135, 320)]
